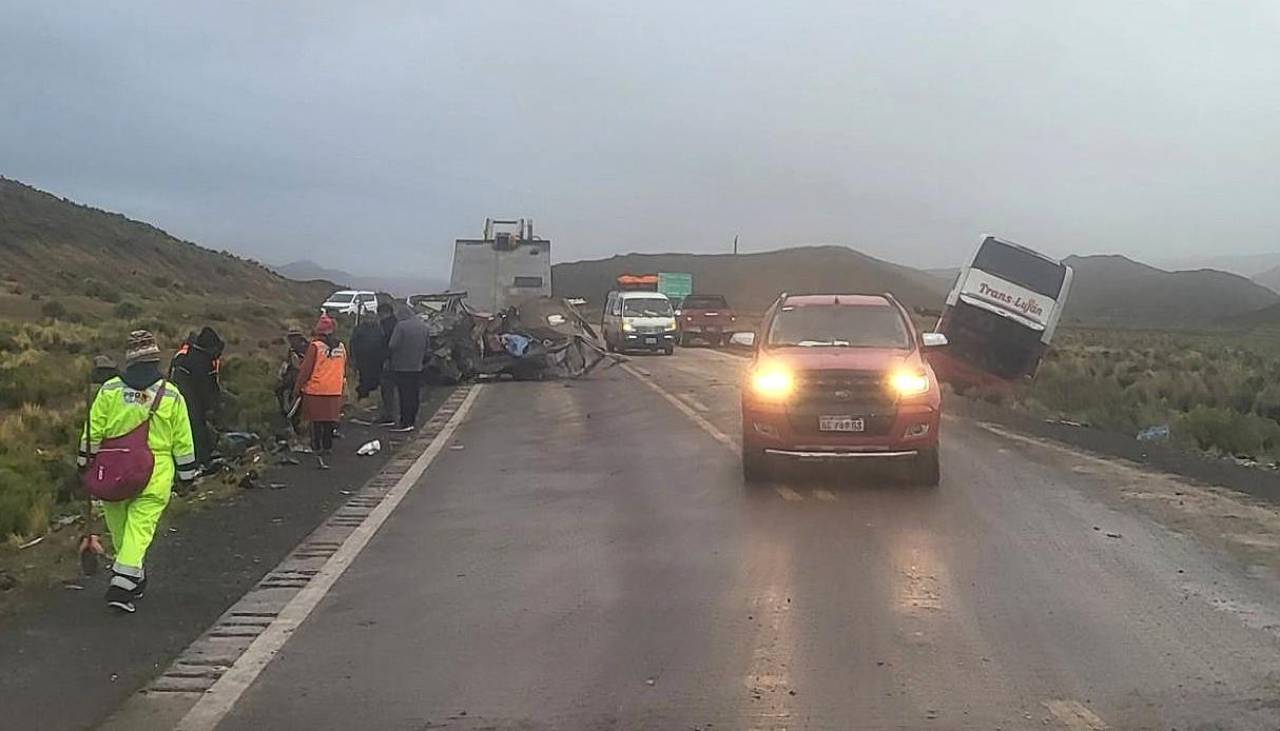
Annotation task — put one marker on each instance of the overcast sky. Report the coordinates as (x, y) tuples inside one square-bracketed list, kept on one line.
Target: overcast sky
[(368, 135)]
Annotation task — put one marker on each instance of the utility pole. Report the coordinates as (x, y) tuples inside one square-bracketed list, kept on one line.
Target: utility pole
[(735, 244)]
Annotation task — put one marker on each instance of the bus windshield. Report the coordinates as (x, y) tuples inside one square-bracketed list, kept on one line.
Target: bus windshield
[(1020, 267)]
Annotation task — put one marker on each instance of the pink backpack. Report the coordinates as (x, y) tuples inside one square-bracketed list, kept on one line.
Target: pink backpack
[(123, 465)]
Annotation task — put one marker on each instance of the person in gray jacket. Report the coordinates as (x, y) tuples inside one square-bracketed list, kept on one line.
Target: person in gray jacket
[(407, 354)]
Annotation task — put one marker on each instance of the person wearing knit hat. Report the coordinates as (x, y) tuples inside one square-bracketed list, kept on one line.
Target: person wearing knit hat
[(140, 394), (141, 348), (321, 384)]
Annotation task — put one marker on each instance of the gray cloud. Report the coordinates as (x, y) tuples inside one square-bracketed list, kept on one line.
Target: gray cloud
[(369, 135)]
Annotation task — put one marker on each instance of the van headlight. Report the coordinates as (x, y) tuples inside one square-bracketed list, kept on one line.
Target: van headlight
[(627, 326), (670, 326), (773, 381), (908, 382)]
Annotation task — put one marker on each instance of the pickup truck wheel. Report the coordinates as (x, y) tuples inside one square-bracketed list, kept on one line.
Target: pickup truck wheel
[(755, 466), (926, 469)]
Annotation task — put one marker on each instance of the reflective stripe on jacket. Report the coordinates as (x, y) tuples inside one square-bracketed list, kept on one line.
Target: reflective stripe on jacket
[(328, 371), (119, 409)]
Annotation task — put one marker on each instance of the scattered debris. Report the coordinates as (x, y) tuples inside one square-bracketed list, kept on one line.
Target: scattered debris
[(173, 529), (72, 586), (457, 447), (7, 582), (344, 492), (249, 481), (369, 448), (1158, 433), (1066, 422), (650, 681), (288, 460), (64, 521), (237, 443), (1113, 535), (277, 485), (33, 542)]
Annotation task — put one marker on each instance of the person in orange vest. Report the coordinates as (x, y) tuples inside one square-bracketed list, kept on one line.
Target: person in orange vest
[(321, 381)]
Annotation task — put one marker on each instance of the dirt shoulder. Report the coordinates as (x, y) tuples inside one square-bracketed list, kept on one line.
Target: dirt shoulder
[(1260, 483), (68, 662)]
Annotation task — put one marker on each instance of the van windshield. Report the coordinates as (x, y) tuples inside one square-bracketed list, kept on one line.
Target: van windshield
[(842, 326), (646, 307), (341, 297)]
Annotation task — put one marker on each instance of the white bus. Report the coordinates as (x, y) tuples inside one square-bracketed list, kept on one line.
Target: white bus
[(1001, 313)]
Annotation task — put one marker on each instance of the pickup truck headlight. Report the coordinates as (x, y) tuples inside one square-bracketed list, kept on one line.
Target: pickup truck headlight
[(909, 382), (627, 326), (773, 381), (670, 326)]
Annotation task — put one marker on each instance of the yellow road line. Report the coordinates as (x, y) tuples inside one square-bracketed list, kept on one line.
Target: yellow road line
[(1076, 715)]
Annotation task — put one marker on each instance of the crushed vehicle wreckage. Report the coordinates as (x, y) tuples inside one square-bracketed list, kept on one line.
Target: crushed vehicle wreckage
[(539, 339)]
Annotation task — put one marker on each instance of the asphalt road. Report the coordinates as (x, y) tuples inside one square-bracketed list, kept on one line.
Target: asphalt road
[(586, 556)]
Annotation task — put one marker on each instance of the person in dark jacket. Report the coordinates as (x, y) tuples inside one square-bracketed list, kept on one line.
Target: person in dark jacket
[(387, 410), (407, 353), (369, 350), (287, 377), (195, 369)]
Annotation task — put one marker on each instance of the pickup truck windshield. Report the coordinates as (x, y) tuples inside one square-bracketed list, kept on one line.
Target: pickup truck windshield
[(705, 302), (647, 307), (839, 326)]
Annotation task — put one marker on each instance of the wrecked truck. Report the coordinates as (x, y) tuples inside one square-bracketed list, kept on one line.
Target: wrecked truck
[(541, 338)]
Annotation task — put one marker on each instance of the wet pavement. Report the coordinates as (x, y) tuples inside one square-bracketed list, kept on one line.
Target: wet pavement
[(585, 555)]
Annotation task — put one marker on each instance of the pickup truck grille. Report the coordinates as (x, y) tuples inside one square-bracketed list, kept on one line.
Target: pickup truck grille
[(842, 393)]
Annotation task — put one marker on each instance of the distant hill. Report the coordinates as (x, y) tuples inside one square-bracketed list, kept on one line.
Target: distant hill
[(401, 286), (1269, 279), (98, 267), (752, 282), (1246, 265), (1115, 290)]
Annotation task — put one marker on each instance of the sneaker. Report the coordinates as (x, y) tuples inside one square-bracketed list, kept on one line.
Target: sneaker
[(121, 593), (141, 589), (402, 429), (321, 463), (119, 605), (385, 422)]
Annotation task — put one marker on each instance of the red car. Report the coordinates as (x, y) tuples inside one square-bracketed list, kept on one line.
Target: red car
[(840, 377), (706, 317)]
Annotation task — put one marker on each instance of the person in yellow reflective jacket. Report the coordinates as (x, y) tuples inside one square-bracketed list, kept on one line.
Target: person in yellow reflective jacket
[(122, 404)]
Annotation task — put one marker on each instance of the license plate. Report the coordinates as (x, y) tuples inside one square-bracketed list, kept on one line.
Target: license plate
[(650, 341), (841, 423)]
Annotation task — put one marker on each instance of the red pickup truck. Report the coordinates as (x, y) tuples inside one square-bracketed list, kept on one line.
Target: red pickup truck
[(705, 317), (840, 377)]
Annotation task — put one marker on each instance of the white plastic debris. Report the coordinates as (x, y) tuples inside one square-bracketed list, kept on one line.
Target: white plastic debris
[(369, 448)]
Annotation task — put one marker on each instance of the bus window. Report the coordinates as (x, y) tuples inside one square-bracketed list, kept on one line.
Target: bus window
[(1021, 267)]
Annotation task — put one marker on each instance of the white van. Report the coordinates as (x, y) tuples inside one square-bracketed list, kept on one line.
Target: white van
[(351, 302), (639, 321)]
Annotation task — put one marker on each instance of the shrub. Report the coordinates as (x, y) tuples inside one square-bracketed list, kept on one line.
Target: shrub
[(127, 310), (99, 290), (53, 309)]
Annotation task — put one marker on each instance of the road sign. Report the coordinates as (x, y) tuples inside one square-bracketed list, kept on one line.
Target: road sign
[(675, 285)]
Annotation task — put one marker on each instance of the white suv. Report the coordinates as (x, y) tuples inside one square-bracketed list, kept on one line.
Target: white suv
[(351, 302)]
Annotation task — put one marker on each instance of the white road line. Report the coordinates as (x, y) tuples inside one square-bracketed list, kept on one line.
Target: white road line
[(685, 409), (695, 403), (826, 495), (788, 494), (218, 701), (1076, 715)]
